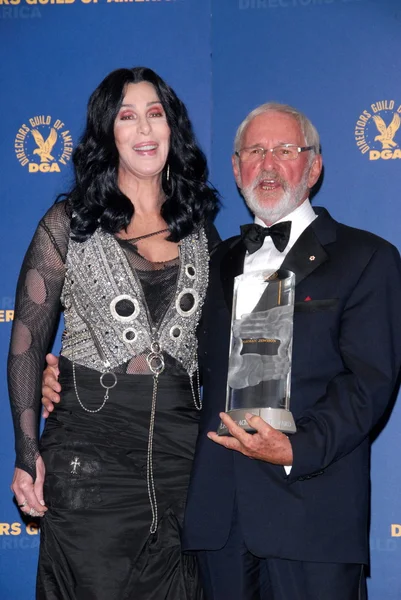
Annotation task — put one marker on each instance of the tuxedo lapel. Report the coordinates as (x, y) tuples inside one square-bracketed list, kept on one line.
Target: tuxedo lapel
[(308, 252), (305, 256), (232, 264)]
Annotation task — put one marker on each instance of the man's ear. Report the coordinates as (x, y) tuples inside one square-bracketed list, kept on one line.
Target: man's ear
[(315, 170), (235, 164)]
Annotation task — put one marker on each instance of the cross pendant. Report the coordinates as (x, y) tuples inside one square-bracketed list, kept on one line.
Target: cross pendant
[(74, 464)]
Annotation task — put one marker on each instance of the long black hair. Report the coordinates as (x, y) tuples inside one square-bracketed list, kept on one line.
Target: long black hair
[(96, 200)]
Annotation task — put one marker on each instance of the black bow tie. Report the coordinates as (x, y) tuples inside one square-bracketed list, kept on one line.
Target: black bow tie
[(253, 235)]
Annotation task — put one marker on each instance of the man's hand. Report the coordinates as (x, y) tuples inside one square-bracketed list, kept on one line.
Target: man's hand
[(50, 385), (29, 495), (266, 444)]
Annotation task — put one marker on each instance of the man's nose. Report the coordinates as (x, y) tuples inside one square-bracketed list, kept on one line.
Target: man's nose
[(269, 161)]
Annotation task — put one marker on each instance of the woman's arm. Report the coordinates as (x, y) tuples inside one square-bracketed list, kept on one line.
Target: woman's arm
[(36, 315)]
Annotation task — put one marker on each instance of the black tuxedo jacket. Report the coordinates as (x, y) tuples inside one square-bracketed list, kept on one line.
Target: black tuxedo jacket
[(346, 359)]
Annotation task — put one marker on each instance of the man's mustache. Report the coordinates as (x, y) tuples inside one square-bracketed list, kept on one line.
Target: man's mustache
[(269, 175)]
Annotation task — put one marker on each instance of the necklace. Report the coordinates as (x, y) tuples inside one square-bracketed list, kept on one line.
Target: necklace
[(142, 237)]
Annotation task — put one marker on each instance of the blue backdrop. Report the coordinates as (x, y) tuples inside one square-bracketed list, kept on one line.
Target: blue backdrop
[(337, 60)]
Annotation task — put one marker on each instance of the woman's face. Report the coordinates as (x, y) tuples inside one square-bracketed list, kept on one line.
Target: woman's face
[(141, 132)]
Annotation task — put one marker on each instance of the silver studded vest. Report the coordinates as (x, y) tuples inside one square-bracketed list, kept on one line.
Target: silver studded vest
[(106, 317)]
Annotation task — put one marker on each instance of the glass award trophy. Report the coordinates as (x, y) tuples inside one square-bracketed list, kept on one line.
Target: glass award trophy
[(259, 371)]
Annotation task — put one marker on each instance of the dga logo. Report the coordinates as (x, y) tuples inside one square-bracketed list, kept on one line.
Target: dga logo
[(376, 130), (44, 145)]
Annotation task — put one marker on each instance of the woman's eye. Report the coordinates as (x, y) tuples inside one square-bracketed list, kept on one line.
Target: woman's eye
[(126, 116), (156, 113)]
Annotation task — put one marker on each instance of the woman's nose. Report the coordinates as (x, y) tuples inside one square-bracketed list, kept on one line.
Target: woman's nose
[(144, 126)]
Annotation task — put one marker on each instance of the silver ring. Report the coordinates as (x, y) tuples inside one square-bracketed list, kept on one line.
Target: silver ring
[(23, 504), (178, 330), (130, 317), (190, 271), (108, 387), (155, 359), (129, 330), (191, 292)]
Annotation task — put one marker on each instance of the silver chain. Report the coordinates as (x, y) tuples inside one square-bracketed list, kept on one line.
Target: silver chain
[(156, 364), (149, 465), (198, 404), (106, 387)]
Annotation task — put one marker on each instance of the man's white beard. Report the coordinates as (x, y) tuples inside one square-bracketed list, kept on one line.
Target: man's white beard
[(290, 199)]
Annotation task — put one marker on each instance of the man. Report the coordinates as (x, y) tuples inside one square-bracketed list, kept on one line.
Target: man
[(300, 532), (286, 518)]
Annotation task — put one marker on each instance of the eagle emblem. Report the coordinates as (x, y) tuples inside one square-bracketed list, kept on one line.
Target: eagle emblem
[(387, 133), (44, 147)]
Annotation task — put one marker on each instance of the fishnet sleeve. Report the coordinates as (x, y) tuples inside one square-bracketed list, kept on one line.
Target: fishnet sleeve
[(37, 310)]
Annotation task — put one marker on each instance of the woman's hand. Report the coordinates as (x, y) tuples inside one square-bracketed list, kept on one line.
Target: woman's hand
[(29, 495), (50, 385)]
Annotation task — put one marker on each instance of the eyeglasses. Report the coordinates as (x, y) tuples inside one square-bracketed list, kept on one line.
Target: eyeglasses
[(282, 152)]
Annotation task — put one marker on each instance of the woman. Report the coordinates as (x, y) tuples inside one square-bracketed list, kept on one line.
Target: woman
[(127, 254)]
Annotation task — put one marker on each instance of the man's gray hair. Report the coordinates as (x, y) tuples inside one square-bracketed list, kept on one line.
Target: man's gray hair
[(308, 129)]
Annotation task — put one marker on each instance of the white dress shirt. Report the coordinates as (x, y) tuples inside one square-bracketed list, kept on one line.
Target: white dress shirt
[(268, 257)]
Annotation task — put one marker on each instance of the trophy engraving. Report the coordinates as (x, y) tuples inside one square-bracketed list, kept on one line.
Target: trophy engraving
[(259, 372)]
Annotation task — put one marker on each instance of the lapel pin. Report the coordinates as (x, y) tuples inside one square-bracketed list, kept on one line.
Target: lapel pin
[(312, 257)]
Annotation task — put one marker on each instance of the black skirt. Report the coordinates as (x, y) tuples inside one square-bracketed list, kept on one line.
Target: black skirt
[(95, 538)]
